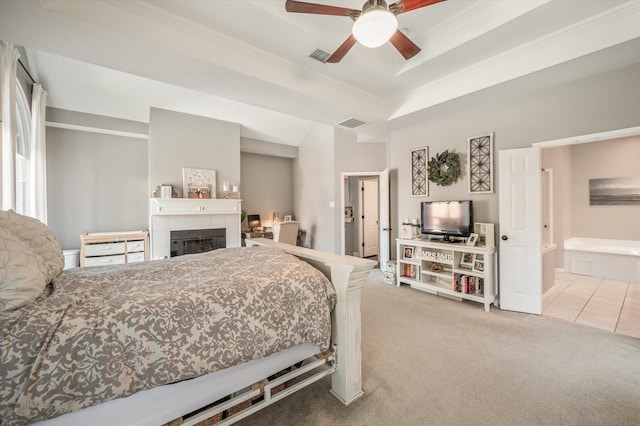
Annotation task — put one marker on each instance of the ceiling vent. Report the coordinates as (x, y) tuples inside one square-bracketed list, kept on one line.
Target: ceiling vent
[(352, 123), (320, 55)]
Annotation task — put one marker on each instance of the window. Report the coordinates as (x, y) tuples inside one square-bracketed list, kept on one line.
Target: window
[(23, 150)]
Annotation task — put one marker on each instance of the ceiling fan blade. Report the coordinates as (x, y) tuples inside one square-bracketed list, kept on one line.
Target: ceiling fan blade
[(342, 50), (406, 47), (403, 6), (320, 9)]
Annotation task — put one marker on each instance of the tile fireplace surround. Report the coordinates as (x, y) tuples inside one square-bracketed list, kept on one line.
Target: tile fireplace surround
[(179, 214)]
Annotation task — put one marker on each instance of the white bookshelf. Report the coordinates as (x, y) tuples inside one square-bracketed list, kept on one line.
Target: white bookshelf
[(450, 269)]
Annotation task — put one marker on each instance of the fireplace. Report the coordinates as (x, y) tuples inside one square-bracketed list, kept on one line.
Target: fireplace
[(183, 214), (197, 241)]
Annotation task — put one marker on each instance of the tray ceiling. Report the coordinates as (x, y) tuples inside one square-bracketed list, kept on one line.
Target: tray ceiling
[(248, 61)]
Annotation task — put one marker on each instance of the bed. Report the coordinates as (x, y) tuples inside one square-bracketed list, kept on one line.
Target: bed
[(152, 343)]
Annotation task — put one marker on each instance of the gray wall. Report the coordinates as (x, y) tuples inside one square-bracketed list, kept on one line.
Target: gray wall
[(352, 156), (266, 186), (323, 156), (83, 186), (178, 140), (610, 159), (573, 166), (313, 188), (603, 102), (96, 183), (102, 181)]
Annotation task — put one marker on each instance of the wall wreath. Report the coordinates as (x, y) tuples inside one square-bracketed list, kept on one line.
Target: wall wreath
[(444, 168)]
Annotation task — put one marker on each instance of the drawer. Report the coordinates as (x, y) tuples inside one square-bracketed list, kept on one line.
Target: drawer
[(133, 246), (104, 260), (103, 249), (135, 257)]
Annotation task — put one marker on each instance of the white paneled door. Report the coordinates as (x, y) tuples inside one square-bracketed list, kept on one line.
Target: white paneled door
[(384, 228), (370, 229), (520, 230)]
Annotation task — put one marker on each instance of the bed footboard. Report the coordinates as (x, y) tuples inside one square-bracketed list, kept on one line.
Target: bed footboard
[(348, 275)]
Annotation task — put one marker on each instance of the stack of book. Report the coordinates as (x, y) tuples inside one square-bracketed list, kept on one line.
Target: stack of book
[(409, 271), (467, 284)]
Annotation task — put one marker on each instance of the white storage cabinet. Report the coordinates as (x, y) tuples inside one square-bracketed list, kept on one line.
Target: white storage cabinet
[(113, 248)]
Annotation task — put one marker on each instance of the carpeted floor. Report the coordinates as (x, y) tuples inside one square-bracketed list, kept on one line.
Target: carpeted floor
[(428, 360)]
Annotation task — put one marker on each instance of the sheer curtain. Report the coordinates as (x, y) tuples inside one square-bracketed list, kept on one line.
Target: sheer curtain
[(37, 204), (8, 62)]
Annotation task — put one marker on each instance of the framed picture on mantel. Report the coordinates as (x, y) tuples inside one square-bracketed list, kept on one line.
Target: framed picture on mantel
[(198, 183)]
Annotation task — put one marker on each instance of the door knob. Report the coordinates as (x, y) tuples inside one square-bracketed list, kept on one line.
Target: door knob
[(504, 238)]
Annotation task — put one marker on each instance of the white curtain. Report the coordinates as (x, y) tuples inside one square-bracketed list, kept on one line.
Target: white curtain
[(38, 178), (8, 62)]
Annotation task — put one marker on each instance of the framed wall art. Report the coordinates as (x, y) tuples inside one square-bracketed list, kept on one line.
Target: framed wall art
[(614, 191), (198, 183), (480, 164), (419, 159)]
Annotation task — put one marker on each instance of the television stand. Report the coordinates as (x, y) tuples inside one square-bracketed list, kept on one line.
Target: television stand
[(448, 241), (442, 268)]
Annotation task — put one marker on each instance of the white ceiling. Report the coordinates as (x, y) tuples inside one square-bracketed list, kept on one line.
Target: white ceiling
[(247, 61)]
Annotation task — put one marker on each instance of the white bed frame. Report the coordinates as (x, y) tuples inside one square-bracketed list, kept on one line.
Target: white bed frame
[(164, 404)]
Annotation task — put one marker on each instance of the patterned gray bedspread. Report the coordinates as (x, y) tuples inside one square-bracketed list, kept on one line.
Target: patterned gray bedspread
[(109, 331)]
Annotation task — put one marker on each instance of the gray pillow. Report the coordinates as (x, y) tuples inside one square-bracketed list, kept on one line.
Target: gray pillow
[(21, 281), (38, 237)]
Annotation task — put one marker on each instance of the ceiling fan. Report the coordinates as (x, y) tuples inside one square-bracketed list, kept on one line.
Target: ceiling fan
[(373, 26)]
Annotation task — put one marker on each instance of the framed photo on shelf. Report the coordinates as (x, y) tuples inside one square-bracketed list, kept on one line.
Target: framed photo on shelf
[(466, 260), (478, 265), (471, 241), (408, 252)]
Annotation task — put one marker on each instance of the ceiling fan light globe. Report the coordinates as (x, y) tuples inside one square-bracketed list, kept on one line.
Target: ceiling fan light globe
[(375, 27)]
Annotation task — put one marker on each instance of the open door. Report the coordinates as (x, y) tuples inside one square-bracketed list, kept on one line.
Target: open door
[(370, 213), (385, 229), (520, 230)]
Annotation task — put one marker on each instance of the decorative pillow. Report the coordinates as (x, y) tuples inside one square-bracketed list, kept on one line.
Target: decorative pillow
[(37, 236), (21, 281)]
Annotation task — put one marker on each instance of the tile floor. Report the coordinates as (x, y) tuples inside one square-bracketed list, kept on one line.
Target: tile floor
[(597, 302)]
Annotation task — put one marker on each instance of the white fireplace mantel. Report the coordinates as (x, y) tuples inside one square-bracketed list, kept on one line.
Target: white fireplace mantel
[(178, 214), (199, 206)]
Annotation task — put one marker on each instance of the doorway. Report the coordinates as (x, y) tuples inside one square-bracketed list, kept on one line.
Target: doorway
[(365, 202), (537, 251), (368, 218)]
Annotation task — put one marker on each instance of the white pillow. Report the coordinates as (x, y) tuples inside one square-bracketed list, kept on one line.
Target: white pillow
[(38, 237), (21, 281)]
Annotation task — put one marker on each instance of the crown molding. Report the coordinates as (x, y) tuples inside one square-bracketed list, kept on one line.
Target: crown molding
[(607, 29)]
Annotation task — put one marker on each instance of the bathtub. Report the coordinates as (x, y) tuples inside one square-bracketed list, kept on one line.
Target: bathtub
[(599, 257)]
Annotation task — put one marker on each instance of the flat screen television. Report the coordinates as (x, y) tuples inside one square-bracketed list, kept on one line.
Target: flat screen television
[(447, 218)]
